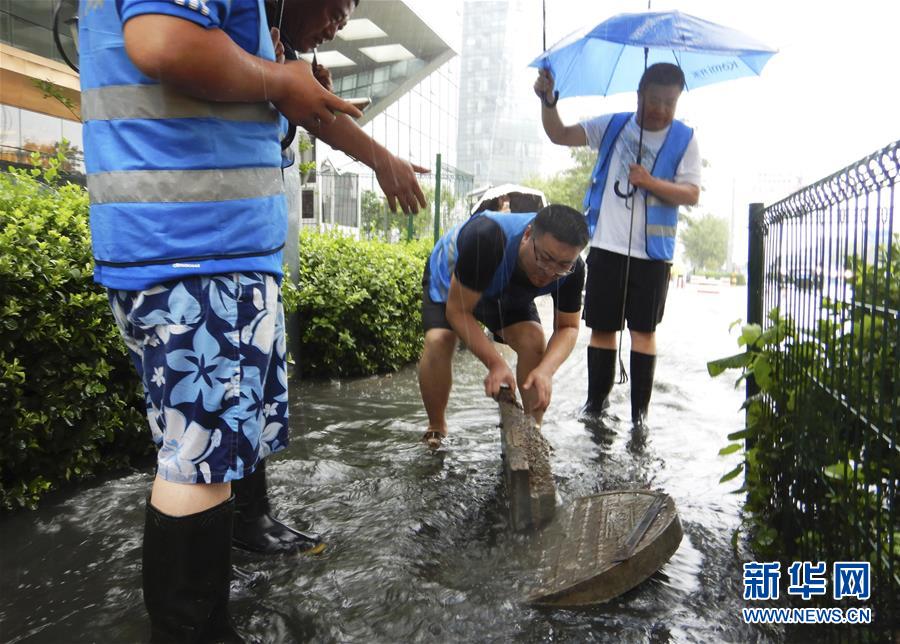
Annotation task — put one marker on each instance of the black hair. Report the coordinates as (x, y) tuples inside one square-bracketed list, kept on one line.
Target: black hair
[(565, 224), (662, 74), (271, 6)]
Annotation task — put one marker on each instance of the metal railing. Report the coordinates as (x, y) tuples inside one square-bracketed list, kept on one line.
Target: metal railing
[(353, 201), (450, 186), (827, 259)]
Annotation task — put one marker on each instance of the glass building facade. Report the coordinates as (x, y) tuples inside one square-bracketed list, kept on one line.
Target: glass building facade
[(422, 122), (28, 25), (23, 132), (392, 54), (29, 122), (401, 54), (501, 138)]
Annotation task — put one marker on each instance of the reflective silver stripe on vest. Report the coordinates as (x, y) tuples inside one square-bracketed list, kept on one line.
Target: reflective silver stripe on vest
[(655, 230), (158, 102), (183, 186)]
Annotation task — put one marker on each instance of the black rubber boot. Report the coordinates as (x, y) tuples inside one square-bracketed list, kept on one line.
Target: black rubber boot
[(643, 365), (254, 527), (601, 365), (186, 570)]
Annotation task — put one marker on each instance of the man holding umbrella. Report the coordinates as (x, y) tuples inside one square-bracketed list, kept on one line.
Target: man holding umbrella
[(632, 226)]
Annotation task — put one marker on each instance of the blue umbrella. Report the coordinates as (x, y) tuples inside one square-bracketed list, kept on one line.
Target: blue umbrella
[(610, 57)]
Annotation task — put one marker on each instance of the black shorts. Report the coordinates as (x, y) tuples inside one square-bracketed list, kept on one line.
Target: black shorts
[(490, 313), (648, 285)]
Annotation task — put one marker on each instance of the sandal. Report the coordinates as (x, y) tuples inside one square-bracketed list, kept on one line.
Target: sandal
[(433, 438)]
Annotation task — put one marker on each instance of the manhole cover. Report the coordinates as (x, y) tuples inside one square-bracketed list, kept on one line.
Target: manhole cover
[(610, 543)]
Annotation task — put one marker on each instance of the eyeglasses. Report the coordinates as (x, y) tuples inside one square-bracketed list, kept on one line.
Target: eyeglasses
[(550, 265)]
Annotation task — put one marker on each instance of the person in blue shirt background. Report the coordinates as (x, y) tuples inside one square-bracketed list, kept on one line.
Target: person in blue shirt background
[(181, 103)]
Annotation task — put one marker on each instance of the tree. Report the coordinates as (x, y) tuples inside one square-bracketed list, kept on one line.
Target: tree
[(568, 187), (705, 242), (379, 221), (374, 214)]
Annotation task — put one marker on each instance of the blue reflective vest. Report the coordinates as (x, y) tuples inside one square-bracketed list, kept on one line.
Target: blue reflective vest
[(178, 185), (442, 262), (660, 219)]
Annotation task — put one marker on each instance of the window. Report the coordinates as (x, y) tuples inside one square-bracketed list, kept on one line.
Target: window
[(364, 78), (9, 126), (391, 133), (40, 131), (5, 29), (415, 113), (403, 108), (71, 131), (39, 13), (308, 204), (32, 37), (426, 117)]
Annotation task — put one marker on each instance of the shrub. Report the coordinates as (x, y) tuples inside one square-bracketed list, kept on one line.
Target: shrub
[(359, 304), (71, 402)]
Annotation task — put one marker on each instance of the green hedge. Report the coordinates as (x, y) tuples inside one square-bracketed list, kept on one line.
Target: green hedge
[(70, 402), (359, 304)]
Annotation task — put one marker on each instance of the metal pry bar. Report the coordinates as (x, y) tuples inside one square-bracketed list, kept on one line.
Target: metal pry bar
[(640, 529)]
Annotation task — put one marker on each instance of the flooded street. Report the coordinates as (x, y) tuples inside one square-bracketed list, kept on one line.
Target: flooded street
[(420, 548)]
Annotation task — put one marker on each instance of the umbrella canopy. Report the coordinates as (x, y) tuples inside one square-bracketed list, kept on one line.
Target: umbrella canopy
[(609, 58), (521, 198)]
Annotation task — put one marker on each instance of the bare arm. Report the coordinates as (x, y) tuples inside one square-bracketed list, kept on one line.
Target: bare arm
[(676, 194), (558, 133), (561, 343), (395, 176), (461, 303), (559, 348), (208, 64)]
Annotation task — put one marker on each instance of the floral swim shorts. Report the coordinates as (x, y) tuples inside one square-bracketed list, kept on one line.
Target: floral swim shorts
[(210, 351)]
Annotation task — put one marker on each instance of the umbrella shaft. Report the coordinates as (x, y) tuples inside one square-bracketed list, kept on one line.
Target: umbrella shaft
[(544, 22)]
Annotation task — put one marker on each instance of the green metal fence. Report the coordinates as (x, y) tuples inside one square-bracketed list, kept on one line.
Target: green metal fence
[(827, 258), (447, 184)]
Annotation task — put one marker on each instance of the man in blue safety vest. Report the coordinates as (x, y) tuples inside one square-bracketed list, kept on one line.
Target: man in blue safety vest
[(488, 271), (632, 229), (181, 103)]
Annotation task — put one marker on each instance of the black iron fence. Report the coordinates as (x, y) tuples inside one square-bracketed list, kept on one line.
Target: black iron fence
[(825, 269)]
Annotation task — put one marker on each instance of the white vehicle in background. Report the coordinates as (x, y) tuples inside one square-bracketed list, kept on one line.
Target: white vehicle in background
[(519, 199)]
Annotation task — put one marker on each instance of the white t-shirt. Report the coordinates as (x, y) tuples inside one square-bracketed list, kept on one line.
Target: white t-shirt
[(612, 230)]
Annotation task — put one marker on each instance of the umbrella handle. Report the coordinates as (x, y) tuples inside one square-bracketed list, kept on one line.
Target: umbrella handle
[(624, 195)]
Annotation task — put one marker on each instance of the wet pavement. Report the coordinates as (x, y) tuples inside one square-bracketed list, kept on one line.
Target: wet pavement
[(419, 544)]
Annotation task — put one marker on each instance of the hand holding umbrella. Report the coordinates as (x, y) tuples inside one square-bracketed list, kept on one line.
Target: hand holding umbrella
[(544, 87)]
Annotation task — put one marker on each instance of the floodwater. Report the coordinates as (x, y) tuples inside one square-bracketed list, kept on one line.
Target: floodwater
[(420, 548)]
